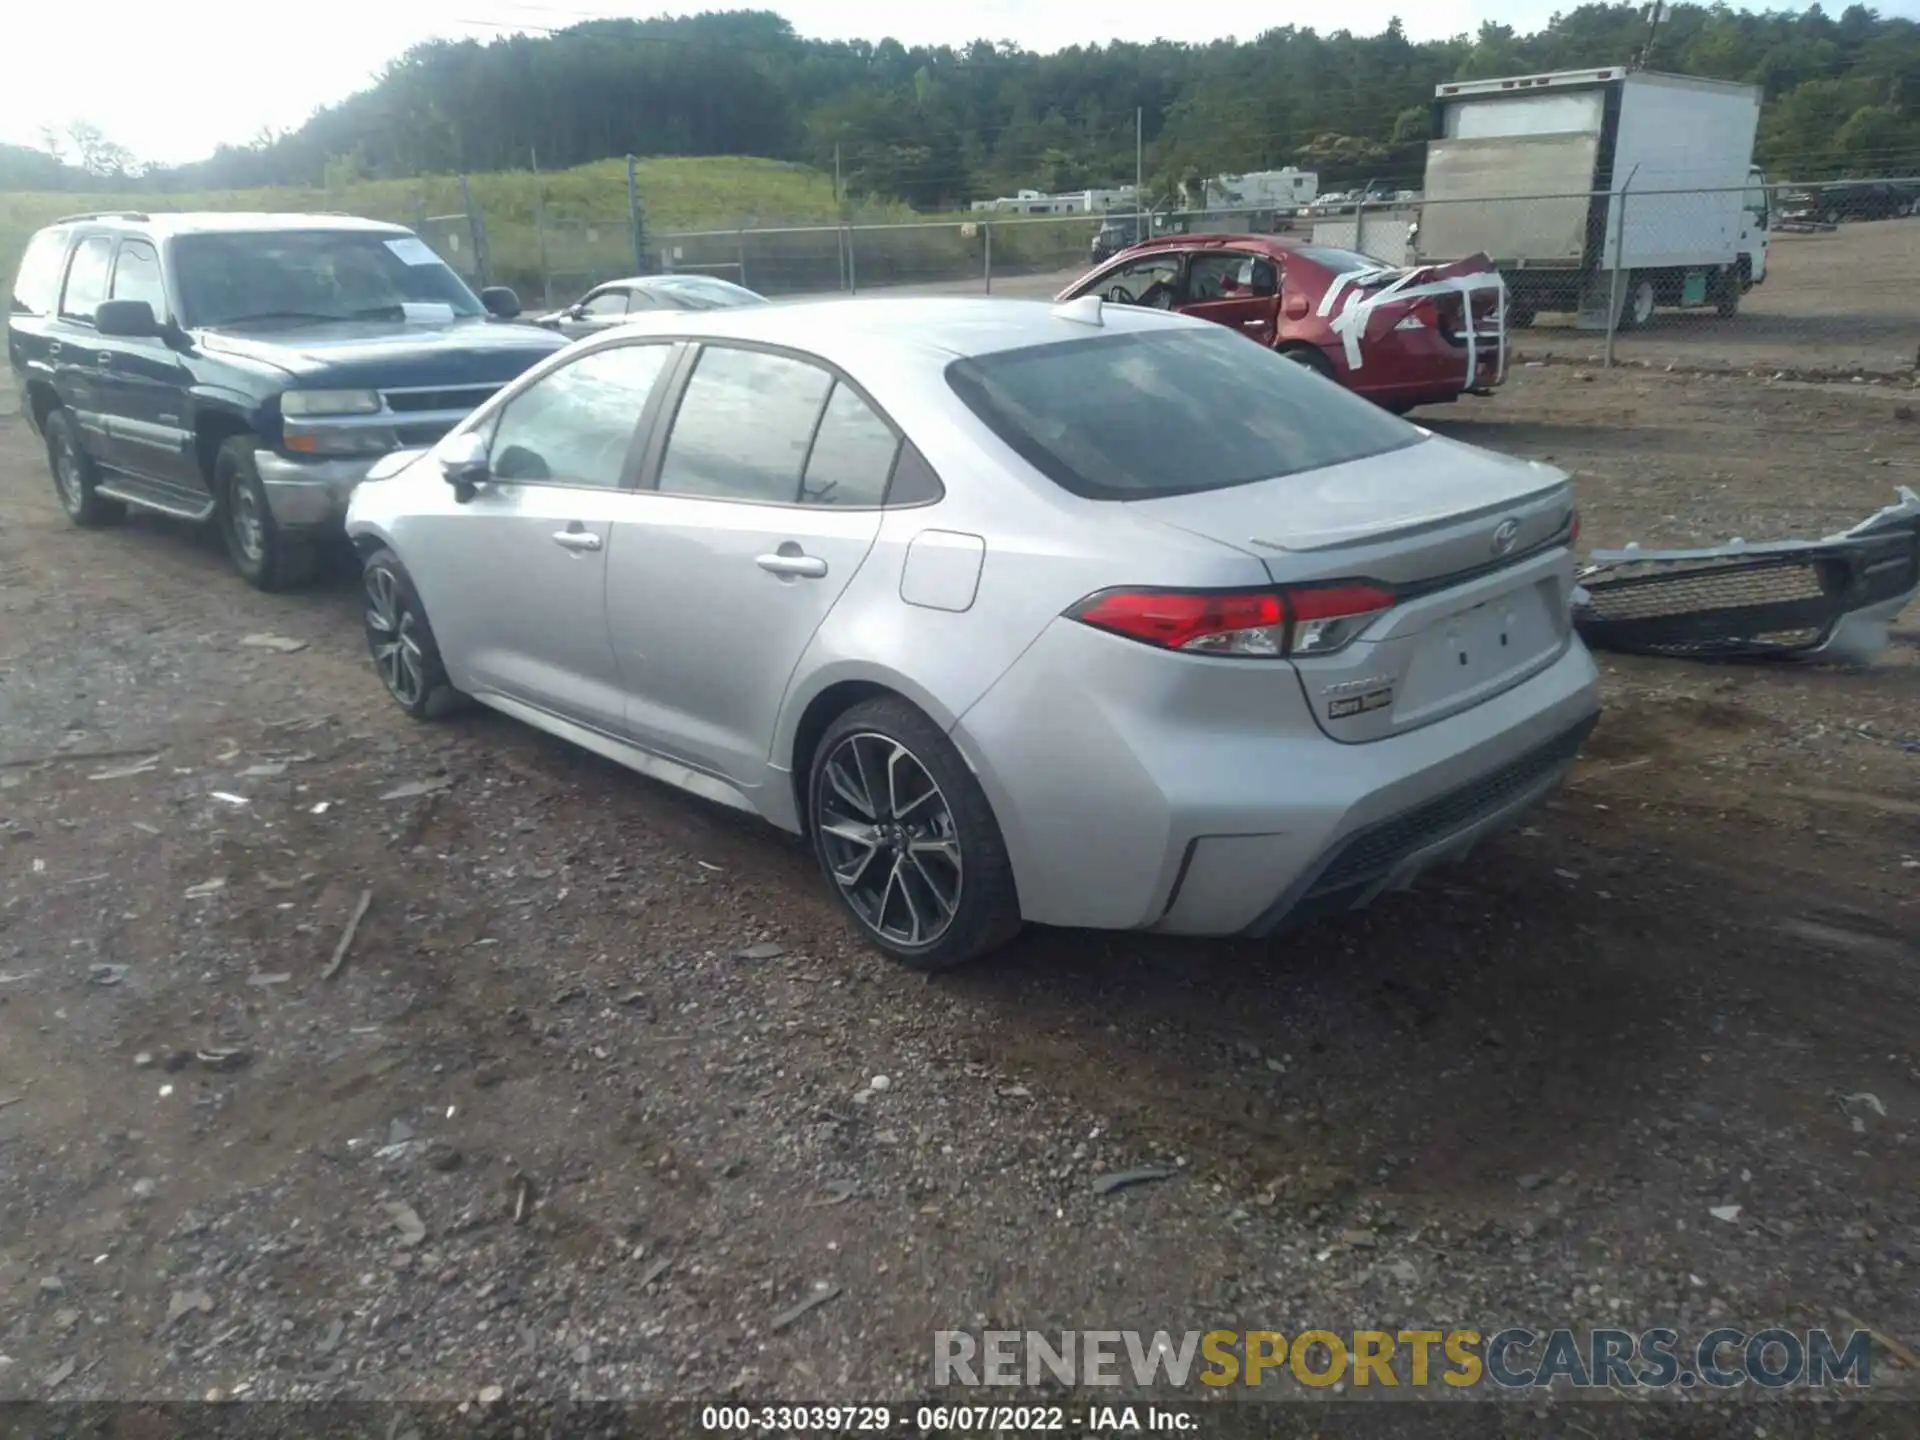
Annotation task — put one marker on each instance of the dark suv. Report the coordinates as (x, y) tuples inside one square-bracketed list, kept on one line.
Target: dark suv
[(247, 369)]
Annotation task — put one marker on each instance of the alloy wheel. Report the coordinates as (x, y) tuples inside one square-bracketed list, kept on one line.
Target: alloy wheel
[(1642, 302), (66, 473), (393, 636), (890, 839), (249, 530)]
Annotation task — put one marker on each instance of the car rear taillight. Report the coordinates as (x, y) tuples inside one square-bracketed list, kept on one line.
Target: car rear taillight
[(1573, 530), (1247, 624)]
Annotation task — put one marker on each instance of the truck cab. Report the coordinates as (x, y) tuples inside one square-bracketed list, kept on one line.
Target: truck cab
[(247, 370), (1756, 228)]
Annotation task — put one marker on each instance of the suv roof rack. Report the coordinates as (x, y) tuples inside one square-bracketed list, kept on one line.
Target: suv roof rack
[(103, 215)]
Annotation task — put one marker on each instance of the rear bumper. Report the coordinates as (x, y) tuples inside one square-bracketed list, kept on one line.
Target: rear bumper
[(310, 494), (1122, 810)]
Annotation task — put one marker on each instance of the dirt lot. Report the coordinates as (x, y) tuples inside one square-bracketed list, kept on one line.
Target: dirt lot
[(617, 1057)]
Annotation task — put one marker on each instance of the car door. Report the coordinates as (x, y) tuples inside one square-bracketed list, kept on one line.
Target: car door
[(1235, 288), (601, 310), (763, 502), (515, 576), (145, 383), (78, 354)]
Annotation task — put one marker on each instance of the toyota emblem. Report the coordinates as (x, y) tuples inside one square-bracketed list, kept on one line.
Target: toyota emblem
[(1505, 536)]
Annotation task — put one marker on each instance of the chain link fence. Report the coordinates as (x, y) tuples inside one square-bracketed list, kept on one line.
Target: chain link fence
[(1815, 279)]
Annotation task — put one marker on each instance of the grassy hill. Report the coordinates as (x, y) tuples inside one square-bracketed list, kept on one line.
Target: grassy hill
[(583, 235)]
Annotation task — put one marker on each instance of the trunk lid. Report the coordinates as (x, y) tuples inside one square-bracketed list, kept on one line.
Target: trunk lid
[(1474, 546)]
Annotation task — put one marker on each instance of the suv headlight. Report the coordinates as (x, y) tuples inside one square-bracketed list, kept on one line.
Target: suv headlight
[(330, 402)]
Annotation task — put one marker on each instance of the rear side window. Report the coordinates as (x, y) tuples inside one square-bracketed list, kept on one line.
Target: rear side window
[(87, 278), (36, 289), (745, 424), (1169, 412), (852, 456)]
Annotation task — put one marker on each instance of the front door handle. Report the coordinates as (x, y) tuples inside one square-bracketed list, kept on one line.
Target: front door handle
[(576, 539), (811, 567), (105, 357)]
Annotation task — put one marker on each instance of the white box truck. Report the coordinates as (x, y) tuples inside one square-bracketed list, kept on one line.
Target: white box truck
[(1591, 189)]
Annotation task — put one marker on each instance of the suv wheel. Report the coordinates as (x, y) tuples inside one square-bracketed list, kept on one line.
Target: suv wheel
[(75, 476), (907, 840), (268, 558)]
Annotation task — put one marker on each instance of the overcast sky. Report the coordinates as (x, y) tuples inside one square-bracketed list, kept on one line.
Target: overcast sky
[(171, 84)]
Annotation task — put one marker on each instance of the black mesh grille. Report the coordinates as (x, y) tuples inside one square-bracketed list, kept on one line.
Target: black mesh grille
[(460, 397), (1740, 605), (1372, 853)]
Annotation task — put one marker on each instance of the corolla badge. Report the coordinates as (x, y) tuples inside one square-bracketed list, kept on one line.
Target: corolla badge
[(1505, 535)]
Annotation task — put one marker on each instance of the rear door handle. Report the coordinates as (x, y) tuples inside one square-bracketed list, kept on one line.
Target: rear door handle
[(811, 567), (576, 539)]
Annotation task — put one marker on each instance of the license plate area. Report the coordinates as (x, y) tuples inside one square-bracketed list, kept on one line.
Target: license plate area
[(1475, 653)]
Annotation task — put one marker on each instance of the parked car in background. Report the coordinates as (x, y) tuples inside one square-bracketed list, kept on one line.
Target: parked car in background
[(1083, 615), (1849, 200), (1399, 337), (618, 301), (246, 370), (1116, 233)]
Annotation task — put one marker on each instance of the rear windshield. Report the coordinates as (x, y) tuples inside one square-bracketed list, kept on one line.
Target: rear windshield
[(1169, 412), (1340, 262)]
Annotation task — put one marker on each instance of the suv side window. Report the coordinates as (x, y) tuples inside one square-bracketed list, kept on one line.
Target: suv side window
[(86, 278), (36, 289), (745, 424), (575, 425), (136, 276)]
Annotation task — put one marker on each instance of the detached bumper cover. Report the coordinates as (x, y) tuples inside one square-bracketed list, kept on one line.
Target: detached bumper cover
[(1829, 599), (311, 494)]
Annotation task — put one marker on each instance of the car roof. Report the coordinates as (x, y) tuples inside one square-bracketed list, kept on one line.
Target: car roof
[(215, 222), (852, 330), (1272, 244)]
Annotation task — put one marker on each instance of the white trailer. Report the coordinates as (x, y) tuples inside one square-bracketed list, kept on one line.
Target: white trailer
[(1591, 189)]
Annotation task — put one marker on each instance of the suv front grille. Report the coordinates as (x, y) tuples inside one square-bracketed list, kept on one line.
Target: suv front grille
[(454, 397)]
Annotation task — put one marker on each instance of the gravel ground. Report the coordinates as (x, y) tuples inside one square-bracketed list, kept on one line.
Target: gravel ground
[(602, 1089)]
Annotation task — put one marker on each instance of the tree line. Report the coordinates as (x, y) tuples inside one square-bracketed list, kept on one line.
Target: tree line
[(937, 126)]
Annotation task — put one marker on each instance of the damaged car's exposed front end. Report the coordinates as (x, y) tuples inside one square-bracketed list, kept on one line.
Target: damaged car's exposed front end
[(1830, 599)]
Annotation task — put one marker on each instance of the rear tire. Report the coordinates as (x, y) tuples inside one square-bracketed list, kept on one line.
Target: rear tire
[(1637, 302), (75, 476), (266, 556), (907, 840), (1309, 358), (401, 641), (1726, 302)]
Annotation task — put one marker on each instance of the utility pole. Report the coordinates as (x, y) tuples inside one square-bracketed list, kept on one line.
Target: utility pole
[(836, 172), (1139, 168)]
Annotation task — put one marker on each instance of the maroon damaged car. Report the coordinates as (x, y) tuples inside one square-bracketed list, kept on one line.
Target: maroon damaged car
[(1401, 337)]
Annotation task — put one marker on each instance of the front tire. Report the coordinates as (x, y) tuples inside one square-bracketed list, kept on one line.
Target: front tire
[(905, 836), (265, 555), (75, 476), (401, 642), (1638, 302)]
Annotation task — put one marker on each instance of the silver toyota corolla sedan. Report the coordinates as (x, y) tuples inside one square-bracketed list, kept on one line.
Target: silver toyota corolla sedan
[(1078, 615)]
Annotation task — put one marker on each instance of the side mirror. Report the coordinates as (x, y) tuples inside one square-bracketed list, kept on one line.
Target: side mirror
[(501, 302), (126, 319), (463, 464)]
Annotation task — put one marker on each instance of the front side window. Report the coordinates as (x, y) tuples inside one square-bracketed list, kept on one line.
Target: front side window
[(87, 278), (744, 427), (1150, 280), (1144, 414), (312, 276), (575, 425), (606, 304), (136, 276), (36, 289)]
